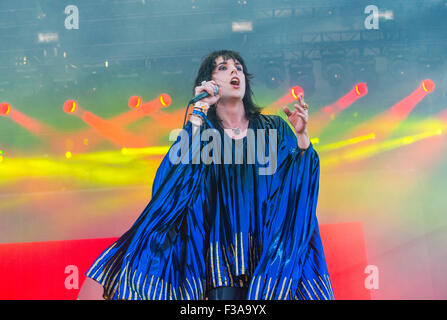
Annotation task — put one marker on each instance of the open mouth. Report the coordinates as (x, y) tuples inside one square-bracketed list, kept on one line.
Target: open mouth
[(235, 82)]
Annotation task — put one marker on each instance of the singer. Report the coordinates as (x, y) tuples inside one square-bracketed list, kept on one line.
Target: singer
[(221, 230)]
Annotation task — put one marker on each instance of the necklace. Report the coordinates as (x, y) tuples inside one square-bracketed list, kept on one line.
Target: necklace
[(236, 130)]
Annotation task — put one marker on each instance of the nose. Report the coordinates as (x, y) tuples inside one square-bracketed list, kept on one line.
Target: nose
[(234, 70)]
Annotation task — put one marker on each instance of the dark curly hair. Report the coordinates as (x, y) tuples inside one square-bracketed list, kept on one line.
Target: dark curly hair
[(205, 74)]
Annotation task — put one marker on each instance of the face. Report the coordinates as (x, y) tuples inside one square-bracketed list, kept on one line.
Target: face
[(224, 73)]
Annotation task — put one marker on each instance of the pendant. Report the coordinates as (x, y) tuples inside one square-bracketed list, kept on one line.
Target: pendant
[(237, 131)]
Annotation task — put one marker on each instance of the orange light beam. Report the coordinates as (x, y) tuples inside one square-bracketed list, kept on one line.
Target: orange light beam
[(285, 100), (321, 118), (141, 109), (403, 108), (32, 125), (389, 120), (111, 131), (85, 139), (425, 156), (360, 90), (114, 133), (172, 120)]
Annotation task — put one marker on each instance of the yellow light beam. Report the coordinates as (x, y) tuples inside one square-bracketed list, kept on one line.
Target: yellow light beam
[(134, 172), (372, 150), (149, 151), (344, 143)]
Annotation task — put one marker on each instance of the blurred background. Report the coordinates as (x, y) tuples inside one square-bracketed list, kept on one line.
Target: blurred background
[(90, 91)]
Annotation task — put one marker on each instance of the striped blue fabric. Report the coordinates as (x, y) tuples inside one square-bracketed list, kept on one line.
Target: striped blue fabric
[(224, 224)]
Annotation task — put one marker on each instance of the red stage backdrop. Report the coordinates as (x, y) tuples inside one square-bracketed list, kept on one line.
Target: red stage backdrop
[(55, 269)]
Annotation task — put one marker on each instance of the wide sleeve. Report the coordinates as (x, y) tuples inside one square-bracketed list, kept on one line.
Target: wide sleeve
[(161, 255), (290, 219)]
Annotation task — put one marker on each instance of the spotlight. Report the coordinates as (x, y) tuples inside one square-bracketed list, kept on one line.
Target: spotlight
[(69, 106), (134, 102), (165, 99), (5, 108), (296, 91), (428, 85), (361, 89)]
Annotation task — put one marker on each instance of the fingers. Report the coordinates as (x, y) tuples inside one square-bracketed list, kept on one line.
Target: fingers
[(300, 111), (208, 87), (301, 108), (301, 101), (201, 88), (302, 115), (294, 113), (219, 92), (298, 108), (287, 111)]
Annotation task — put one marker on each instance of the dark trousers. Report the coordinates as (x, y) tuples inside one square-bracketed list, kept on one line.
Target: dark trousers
[(227, 293)]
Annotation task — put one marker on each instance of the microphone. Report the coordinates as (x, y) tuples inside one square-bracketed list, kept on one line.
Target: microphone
[(202, 95), (198, 97)]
